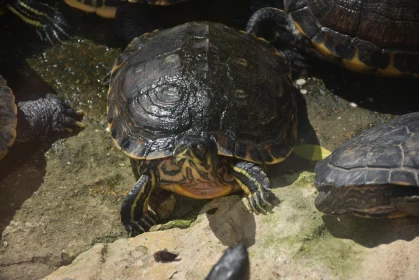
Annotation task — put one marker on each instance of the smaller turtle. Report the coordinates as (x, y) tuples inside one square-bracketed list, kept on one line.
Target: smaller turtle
[(32, 120), (374, 174), (49, 23), (233, 265), (368, 36)]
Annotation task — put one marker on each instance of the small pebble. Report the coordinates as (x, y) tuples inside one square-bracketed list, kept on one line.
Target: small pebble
[(303, 91), (353, 105), (5, 244), (300, 82)]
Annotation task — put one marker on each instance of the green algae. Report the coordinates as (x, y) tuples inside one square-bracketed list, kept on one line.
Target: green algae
[(306, 237)]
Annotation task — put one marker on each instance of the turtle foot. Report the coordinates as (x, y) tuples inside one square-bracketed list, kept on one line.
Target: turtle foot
[(40, 118), (50, 24), (135, 228), (259, 202), (61, 116)]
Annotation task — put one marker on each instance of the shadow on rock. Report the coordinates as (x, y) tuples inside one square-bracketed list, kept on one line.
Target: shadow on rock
[(23, 169), (231, 221), (288, 171), (21, 174), (372, 232), (379, 94)]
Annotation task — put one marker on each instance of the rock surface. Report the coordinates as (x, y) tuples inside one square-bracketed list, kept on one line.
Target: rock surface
[(291, 242)]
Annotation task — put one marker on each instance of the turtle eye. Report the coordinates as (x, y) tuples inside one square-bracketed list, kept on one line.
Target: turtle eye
[(181, 147), (201, 148)]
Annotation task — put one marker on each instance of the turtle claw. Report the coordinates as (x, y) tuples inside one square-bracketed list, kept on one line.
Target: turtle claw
[(80, 124), (135, 228), (80, 113), (62, 116), (259, 203)]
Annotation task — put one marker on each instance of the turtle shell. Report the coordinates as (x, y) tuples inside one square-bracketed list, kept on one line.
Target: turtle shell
[(205, 79), (8, 118), (103, 8), (363, 35), (107, 8), (386, 154)]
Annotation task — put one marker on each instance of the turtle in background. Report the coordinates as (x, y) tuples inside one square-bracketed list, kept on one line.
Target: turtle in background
[(135, 17), (200, 108), (49, 23), (108, 8), (132, 17), (374, 174), (33, 120), (378, 37), (233, 265)]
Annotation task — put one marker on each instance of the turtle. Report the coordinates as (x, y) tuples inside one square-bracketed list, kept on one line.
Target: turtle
[(50, 24), (200, 108), (375, 174), (33, 119), (378, 37), (132, 17), (108, 8), (233, 265)]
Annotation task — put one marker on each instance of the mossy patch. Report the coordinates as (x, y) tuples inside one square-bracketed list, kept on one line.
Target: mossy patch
[(174, 224), (297, 229)]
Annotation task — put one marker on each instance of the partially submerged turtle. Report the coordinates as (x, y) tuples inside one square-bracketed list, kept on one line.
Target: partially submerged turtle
[(367, 36), (374, 174), (49, 23), (32, 120), (198, 107)]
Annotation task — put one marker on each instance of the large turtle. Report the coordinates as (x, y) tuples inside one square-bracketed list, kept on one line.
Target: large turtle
[(198, 107), (374, 174), (49, 23), (32, 120), (368, 36)]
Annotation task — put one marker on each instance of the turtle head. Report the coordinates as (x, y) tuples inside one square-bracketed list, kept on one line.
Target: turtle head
[(196, 152)]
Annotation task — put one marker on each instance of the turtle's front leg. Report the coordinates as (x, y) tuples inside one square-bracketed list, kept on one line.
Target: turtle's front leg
[(135, 215), (255, 184)]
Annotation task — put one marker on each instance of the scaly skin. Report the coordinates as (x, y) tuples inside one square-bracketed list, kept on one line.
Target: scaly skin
[(196, 171), (50, 24), (37, 119)]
